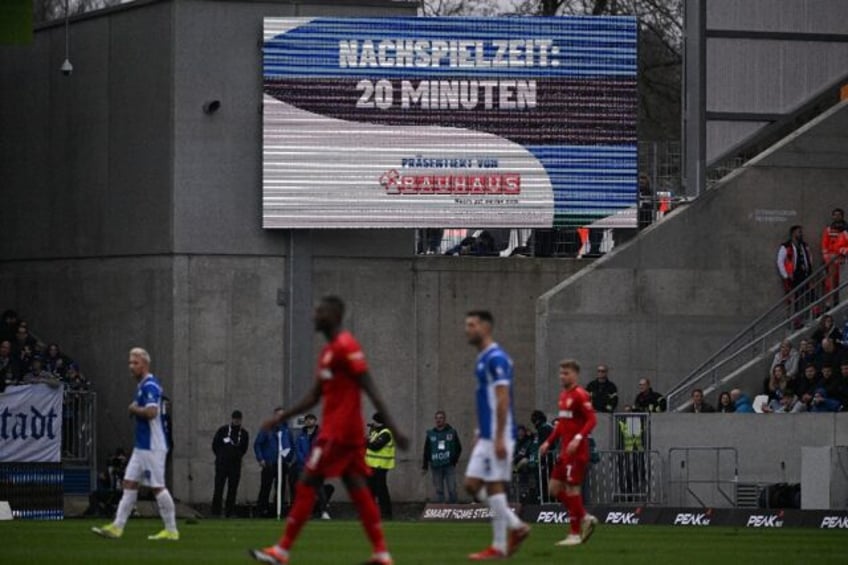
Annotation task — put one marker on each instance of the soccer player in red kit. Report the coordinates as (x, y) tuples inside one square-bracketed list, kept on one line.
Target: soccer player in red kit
[(339, 450), (576, 421)]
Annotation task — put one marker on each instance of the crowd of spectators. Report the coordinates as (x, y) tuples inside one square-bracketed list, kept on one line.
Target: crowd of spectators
[(811, 378), (25, 359)]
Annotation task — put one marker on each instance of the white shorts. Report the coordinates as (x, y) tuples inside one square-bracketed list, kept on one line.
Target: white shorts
[(485, 466), (147, 467)]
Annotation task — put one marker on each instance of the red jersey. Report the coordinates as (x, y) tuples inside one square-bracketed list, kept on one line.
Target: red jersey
[(340, 367), (576, 416)]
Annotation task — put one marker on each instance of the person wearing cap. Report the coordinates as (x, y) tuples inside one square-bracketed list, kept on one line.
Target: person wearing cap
[(380, 457), (230, 445)]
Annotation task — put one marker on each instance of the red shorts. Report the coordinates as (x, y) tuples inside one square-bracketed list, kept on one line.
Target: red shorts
[(571, 469), (331, 460)]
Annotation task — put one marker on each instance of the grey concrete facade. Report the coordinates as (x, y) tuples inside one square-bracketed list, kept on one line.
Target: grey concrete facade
[(683, 288), (765, 58)]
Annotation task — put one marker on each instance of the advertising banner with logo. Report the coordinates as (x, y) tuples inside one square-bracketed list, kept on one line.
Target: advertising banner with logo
[(448, 122), (31, 424), (459, 512)]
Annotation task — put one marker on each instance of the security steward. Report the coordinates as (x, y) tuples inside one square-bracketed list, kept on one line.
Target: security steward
[(380, 457)]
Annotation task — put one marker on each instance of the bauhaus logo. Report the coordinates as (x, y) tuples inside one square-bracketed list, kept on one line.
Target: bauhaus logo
[(834, 523), (623, 518), (765, 520), (693, 518), (547, 517)]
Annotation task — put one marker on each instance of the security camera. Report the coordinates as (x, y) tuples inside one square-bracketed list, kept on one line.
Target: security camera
[(67, 68)]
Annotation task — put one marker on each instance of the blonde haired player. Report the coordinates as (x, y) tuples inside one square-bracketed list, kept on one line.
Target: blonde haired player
[(147, 463), (575, 422)]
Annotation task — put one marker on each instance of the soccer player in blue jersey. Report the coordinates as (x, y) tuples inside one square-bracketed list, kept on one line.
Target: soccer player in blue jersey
[(490, 466), (147, 463)]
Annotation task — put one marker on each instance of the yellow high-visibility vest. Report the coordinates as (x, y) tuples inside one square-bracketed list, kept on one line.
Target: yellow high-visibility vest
[(385, 458)]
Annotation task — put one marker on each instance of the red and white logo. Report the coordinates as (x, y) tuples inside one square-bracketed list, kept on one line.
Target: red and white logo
[(504, 184)]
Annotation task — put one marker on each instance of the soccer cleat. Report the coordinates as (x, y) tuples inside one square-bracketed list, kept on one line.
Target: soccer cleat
[(517, 537), (488, 554), (572, 539), (587, 527), (380, 559), (165, 535), (110, 531), (270, 555)]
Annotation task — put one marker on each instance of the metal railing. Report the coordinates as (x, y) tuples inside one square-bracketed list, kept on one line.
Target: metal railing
[(809, 300), (79, 433), (720, 480)]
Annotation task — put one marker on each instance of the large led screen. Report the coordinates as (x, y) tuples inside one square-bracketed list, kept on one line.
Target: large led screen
[(448, 122)]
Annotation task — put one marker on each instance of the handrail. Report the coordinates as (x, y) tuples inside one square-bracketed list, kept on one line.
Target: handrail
[(781, 303), (757, 343)]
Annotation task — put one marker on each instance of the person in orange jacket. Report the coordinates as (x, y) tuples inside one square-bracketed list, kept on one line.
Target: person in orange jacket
[(830, 245)]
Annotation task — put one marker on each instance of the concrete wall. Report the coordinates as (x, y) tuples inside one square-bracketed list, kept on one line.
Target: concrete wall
[(770, 451), (661, 304), (768, 75)]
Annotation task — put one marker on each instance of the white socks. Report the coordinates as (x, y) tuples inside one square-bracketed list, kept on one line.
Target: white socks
[(499, 522), (125, 507), (499, 505), (167, 510)]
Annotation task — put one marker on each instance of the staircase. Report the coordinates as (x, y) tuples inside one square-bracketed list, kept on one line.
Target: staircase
[(792, 317)]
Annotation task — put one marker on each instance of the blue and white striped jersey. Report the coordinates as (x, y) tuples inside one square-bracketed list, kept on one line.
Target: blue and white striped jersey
[(494, 368), (150, 434)]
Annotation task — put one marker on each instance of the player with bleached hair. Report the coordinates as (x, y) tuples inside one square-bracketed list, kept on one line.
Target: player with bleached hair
[(147, 463)]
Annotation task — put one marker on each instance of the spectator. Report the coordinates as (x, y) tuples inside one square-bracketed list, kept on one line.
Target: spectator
[(37, 374), (648, 400), (22, 360), (775, 383), (698, 405), (303, 447), (806, 386), (788, 404), (794, 264), (229, 446), (74, 378), (830, 355), (525, 465), (843, 377), (546, 463), (821, 402), (806, 355), (725, 403), (787, 357), (741, 402), (56, 362), (23, 339), (832, 383), (268, 446), (830, 253), (380, 456), (429, 241), (10, 326), (826, 330), (8, 368), (603, 392), (646, 203), (442, 449)]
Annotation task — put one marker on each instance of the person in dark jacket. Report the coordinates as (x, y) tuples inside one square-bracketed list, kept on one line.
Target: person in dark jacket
[(442, 449), (303, 446), (603, 391), (698, 405), (268, 446), (648, 400), (229, 446), (546, 462)]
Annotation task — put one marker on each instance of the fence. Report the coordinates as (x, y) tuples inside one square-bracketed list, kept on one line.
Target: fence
[(704, 475), (659, 164)]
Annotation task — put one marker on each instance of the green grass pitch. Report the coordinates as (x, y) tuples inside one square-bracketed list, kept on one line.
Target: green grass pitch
[(342, 542)]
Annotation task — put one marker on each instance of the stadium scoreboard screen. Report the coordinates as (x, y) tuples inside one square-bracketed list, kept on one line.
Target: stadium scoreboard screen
[(448, 122)]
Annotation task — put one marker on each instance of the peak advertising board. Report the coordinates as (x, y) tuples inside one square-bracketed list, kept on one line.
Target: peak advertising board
[(448, 122)]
